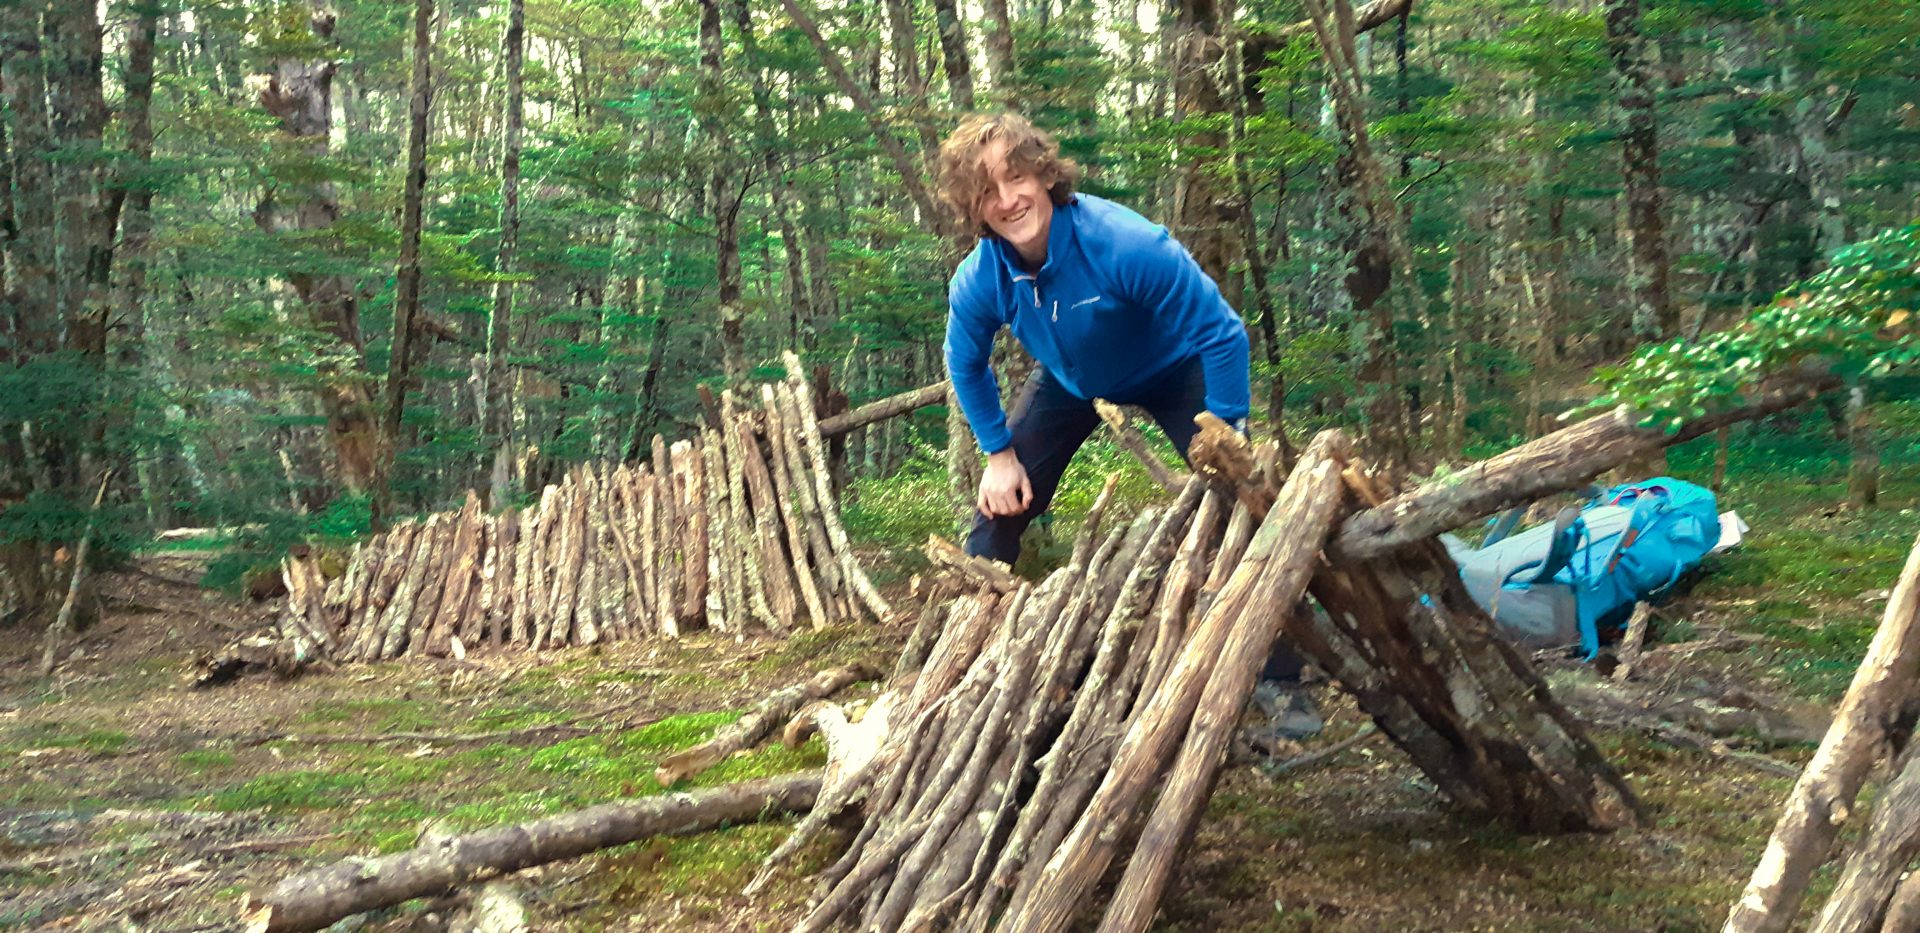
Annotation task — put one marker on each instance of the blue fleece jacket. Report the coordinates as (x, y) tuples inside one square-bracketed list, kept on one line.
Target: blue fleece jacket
[(1118, 302)]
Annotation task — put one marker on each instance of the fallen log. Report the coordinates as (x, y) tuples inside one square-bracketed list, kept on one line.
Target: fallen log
[(883, 409), (1566, 459), (317, 898), (1867, 720), (771, 714)]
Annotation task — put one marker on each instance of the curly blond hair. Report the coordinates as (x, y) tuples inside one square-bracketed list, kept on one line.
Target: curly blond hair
[(964, 181)]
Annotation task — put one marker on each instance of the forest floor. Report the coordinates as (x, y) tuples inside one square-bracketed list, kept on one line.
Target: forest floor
[(132, 802)]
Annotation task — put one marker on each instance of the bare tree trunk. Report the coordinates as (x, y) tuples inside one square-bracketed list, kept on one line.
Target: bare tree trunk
[(1205, 215), (138, 218), (725, 201), (911, 170), (999, 31), (1863, 472), (406, 301), (77, 114), (1654, 316), (1382, 266), (953, 47), (496, 396), (299, 92)]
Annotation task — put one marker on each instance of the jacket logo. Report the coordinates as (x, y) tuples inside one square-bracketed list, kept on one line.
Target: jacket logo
[(1084, 301)]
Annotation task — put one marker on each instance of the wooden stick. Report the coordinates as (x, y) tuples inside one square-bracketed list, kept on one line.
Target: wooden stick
[(670, 542), (1132, 441), (1566, 459), (395, 548), (1861, 901), (1228, 647), (724, 601), (530, 576), (361, 608), (1634, 641), (316, 899), (460, 567), (806, 507), (63, 622), (689, 487), (742, 532), (585, 609), (829, 509), (776, 570), (979, 571), (759, 723), (1824, 797), (883, 409), (532, 528), (790, 516), (399, 613)]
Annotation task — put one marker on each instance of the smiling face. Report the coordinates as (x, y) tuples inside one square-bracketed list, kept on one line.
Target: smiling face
[(1015, 204)]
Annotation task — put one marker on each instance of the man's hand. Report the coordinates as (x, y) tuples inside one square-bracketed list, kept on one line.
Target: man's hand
[(1004, 489)]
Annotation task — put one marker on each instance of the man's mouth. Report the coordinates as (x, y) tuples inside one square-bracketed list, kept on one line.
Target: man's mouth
[(1015, 218)]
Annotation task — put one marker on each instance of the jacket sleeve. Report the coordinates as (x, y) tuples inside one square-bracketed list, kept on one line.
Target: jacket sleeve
[(1166, 278), (969, 351)]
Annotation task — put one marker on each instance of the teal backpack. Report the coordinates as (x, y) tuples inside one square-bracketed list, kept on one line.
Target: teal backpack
[(1565, 581)]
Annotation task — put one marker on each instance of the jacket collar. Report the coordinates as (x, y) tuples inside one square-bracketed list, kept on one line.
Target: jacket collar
[(1059, 238)]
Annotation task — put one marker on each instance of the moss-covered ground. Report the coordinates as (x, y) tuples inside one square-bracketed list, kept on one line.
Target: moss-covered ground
[(282, 776)]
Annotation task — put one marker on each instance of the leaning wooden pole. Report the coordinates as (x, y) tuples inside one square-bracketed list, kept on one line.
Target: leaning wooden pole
[(318, 898), (1231, 643), (1868, 717)]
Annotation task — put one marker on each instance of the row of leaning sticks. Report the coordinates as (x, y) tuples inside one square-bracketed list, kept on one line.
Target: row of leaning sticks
[(1059, 729), (735, 530), (946, 839)]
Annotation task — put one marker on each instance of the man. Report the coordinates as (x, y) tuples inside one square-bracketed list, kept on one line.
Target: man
[(1109, 305)]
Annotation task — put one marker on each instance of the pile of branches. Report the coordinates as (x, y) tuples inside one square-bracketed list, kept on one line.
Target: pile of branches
[(738, 530), (1056, 731)]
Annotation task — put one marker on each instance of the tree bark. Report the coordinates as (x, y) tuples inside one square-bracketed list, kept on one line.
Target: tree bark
[(317, 898), (1865, 722), (496, 395), (299, 92), (953, 49), (1863, 899), (1205, 214), (724, 198), (1654, 316), (406, 300), (1863, 469)]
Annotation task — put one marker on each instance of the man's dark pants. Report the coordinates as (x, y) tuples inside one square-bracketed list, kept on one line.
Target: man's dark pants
[(1049, 424)]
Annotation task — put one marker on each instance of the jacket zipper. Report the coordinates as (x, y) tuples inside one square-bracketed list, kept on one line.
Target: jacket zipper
[(1033, 282)]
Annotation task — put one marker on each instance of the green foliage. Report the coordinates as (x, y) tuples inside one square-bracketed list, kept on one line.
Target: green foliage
[(902, 510), (1857, 317)]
